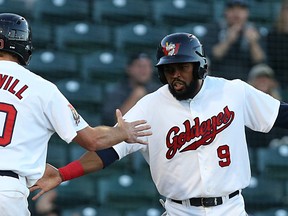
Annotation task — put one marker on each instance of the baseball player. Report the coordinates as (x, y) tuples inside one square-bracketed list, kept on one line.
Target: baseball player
[(31, 110), (197, 153)]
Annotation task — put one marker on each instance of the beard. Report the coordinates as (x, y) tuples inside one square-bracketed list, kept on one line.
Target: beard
[(189, 92)]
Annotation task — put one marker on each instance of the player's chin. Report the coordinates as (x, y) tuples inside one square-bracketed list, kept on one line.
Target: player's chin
[(180, 95)]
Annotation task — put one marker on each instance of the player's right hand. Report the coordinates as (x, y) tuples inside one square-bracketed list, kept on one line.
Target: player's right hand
[(49, 180), (134, 130)]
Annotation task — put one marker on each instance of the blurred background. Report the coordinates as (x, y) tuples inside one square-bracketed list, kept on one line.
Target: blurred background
[(91, 49)]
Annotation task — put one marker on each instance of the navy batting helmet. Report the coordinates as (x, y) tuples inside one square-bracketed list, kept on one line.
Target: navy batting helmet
[(15, 36), (181, 48)]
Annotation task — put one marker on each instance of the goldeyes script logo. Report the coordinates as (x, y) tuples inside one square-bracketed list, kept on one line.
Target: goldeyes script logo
[(206, 131)]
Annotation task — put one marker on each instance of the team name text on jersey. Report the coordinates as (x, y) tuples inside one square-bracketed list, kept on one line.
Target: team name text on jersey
[(206, 130), (9, 83)]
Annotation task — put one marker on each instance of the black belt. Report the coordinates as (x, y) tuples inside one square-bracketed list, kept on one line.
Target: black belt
[(8, 173), (207, 202)]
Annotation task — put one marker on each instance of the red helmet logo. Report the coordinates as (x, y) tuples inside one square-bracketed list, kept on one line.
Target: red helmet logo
[(171, 49)]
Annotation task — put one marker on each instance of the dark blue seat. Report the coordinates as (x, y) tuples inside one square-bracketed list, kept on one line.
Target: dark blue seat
[(103, 66), (61, 11), (136, 37), (181, 12), (54, 65), (82, 37), (113, 12)]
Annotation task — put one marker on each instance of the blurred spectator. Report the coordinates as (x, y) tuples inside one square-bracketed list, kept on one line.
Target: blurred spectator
[(277, 45), (233, 44), (138, 81), (46, 204), (262, 77)]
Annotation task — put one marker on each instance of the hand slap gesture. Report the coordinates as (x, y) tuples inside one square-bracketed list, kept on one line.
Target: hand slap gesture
[(133, 129)]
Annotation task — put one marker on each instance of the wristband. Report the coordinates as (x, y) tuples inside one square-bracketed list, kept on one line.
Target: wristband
[(71, 171)]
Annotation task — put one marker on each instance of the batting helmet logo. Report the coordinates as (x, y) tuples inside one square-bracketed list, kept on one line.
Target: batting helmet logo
[(171, 49)]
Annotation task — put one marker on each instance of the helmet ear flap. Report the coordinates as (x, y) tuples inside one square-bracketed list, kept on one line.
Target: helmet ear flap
[(202, 73), (199, 72)]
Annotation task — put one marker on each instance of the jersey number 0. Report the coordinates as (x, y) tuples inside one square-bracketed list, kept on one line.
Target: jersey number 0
[(10, 114)]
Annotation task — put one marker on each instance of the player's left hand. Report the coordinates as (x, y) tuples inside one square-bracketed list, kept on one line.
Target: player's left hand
[(50, 180), (133, 129)]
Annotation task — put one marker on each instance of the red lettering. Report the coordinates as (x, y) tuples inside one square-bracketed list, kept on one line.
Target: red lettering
[(2, 79), (11, 88), (171, 146), (10, 85), (19, 93), (207, 131)]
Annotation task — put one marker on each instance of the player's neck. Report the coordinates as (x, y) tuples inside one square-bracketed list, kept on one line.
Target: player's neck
[(8, 57)]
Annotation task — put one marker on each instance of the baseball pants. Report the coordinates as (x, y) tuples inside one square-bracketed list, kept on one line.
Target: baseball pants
[(234, 206), (13, 197)]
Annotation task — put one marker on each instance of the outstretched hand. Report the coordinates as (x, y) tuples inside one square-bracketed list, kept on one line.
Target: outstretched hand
[(133, 129), (50, 180)]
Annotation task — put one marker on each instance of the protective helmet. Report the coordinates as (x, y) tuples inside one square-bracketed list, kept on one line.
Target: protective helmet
[(15, 36), (181, 48)]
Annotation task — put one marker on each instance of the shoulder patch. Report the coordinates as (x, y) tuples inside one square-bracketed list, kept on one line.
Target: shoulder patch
[(76, 116)]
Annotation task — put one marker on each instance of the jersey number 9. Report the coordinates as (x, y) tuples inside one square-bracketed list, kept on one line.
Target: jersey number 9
[(224, 154)]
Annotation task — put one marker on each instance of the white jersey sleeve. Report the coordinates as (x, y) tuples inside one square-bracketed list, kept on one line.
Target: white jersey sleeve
[(261, 109), (64, 119)]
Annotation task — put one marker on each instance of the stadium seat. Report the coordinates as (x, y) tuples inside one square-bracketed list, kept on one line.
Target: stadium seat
[(92, 117), (113, 12), (80, 191), (54, 65), (147, 211), (181, 12), (42, 36), (127, 191), (103, 66), (58, 151), (272, 212), (118, 168), (198, 29), (273, 161), (139, 37), (82, 95), (82, 37), (61, 11), (263, 193), (75, 151), (276, 7), (90, 211), (21, 7), (253, 160), (261, 12)]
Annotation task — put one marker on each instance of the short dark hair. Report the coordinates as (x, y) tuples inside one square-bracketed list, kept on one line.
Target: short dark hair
[(137, 56), (242, 3)]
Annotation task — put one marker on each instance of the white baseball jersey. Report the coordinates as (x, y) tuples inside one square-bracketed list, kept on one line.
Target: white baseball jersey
[(31, 110), (198, 147)]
